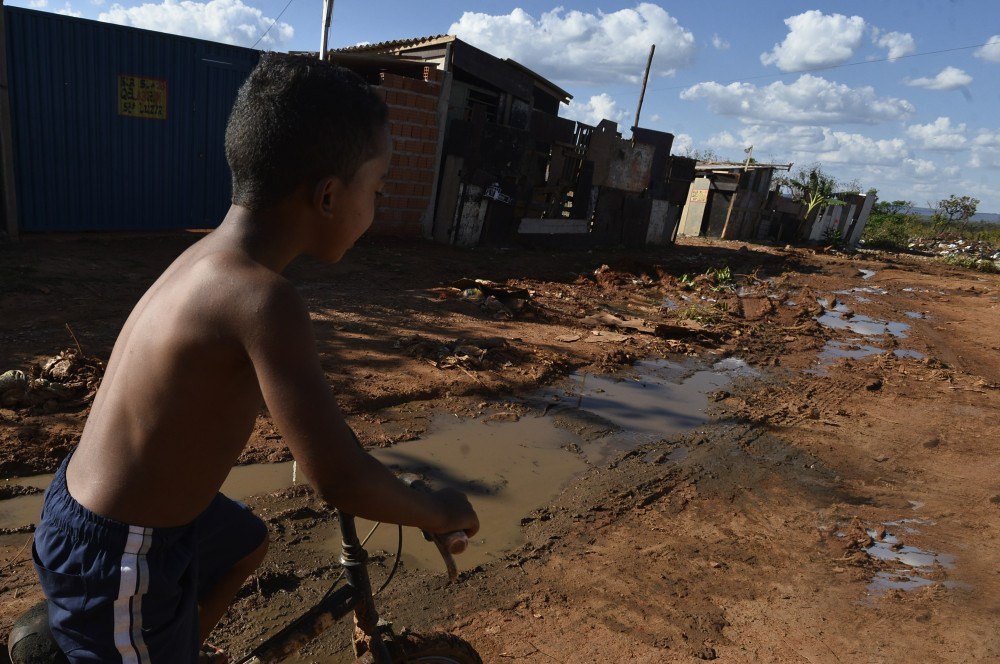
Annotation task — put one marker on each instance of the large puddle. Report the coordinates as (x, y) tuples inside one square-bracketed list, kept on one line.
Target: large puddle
[(837, 316), (914, 568), (508, 468), (657, 398)]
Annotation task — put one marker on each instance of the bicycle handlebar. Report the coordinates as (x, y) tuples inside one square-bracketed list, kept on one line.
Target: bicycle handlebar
[(447, 544)]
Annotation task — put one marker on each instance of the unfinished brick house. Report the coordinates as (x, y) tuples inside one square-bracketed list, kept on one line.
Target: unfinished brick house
[(507, 167), (413, 91)]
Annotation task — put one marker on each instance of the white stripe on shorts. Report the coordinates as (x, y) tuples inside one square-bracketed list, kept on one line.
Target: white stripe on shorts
[(128, 606)]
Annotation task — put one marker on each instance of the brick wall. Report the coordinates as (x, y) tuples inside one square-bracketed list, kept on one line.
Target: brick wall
[(413, 124)]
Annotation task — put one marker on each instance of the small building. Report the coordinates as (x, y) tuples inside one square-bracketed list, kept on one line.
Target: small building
[(511, 168), (727, 200)]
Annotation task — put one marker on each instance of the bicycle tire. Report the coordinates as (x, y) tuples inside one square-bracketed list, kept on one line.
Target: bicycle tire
[(436, 648)]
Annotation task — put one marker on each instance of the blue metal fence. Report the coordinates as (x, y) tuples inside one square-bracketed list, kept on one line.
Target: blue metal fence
[(117, 128)]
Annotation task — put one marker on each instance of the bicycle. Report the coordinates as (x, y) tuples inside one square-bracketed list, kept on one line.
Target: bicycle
[(375, 642)]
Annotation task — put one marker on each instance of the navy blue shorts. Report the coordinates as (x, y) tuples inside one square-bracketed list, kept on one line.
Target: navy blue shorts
[(121, 593)]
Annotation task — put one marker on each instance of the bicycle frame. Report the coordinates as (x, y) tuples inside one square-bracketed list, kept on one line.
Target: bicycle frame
[(356, 596)]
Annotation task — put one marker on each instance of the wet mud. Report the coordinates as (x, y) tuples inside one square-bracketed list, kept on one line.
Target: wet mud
[(790, 463)]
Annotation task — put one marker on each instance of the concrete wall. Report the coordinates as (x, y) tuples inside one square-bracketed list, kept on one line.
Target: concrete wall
[(694, 209), (471, 217), (662, 220)]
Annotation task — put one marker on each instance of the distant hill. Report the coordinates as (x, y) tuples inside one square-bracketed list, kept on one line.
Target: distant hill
[(988, 217)]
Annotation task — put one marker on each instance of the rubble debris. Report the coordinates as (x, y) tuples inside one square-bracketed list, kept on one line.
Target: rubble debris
[(8, 490), (66, 381), (501, 301), (463, 353), (945, 247), (600, 336)]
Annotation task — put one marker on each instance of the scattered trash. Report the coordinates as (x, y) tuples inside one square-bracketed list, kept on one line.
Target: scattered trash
[(501, 301), (462, 353), (600, 336), (65, 381)]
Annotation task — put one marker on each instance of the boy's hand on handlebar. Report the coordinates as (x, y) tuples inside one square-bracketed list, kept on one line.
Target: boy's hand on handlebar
[(455, 513)]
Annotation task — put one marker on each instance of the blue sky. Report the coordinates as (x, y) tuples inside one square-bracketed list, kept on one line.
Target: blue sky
[(918, 127)]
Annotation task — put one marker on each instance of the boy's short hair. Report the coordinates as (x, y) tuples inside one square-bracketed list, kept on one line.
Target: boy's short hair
[(298, 119)]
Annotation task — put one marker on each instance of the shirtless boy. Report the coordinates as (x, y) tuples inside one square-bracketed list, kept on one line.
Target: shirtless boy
[(137, 551)]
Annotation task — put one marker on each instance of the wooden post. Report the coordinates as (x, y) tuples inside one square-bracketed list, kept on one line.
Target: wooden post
[(729, 210), (645, 79), (324, 39), (6, 139)]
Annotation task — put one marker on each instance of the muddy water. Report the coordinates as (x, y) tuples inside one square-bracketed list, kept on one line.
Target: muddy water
[(243, 482), (839, 317), (657, 399), (508, 468), (918, 564)]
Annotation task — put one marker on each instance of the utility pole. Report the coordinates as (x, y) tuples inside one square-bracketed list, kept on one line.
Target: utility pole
[(645, 79), (324, 40)]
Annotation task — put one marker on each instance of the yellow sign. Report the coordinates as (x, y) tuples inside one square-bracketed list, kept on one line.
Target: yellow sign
[(140, 97), (698, 196)]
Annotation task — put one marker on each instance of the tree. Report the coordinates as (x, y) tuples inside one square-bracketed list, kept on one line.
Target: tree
[(954, 209), (889, 225), (813, 188)]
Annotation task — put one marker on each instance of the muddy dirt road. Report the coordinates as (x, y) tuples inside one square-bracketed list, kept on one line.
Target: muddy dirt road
[(711, 451)]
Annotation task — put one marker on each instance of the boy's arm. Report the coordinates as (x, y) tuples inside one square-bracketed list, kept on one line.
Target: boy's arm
[(280, 343)]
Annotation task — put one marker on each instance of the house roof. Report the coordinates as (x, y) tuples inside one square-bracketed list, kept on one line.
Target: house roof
[(543, 82), (398, 44), (738, 166)]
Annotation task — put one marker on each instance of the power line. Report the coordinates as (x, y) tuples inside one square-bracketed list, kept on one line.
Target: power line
[(828, 67), (287, 5)]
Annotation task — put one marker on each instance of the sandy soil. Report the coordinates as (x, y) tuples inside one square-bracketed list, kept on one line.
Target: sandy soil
[(759, 544)]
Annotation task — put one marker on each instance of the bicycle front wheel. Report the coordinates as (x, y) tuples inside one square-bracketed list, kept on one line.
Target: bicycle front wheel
[(437, 648)]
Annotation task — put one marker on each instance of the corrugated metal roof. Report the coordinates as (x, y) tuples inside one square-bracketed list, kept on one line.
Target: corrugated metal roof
[(395, 44), (737, 166)]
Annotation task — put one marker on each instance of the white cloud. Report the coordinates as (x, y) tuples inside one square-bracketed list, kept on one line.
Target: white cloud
[(683, 143), (599, 107), (810, 99), (987, 138), (897, 44), (990, 52), (938, 135), (985, 149), (949, 78), (583, 48), (38, 4), (816, 39), (719, 43), (813, 143), (724, 141), (655, 117), (843, 148), (227, 21), (920, 168), (67, 10)]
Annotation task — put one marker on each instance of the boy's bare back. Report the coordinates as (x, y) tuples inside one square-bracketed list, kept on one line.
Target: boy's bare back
[(181, 394)]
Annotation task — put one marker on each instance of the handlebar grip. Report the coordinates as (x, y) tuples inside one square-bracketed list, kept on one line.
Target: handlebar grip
[(456, 542)]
